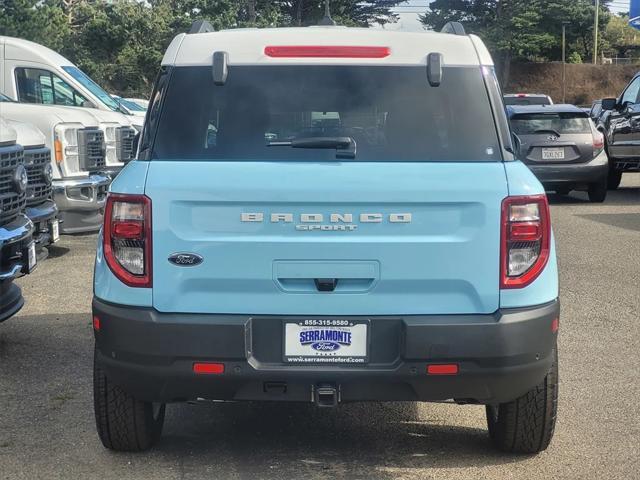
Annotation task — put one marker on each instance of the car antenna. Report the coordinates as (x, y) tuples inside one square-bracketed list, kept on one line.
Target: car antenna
[(327, 20)]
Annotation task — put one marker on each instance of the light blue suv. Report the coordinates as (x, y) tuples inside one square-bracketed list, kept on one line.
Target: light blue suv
[(326, 215)]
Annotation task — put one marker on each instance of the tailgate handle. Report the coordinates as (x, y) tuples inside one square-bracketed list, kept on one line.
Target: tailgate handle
[(326, 284)]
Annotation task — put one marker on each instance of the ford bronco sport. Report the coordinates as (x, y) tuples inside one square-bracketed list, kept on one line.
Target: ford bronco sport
[(326, 215)]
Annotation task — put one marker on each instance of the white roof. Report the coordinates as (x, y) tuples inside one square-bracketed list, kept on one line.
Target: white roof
[(20, 49), (247, 46)]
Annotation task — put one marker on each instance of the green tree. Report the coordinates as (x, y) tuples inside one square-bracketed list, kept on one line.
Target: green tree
[(522, 29), (620, 39), (39, 21), (344, 12)]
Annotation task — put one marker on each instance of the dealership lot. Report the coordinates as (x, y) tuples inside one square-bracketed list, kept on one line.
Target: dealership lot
[(46, 414)]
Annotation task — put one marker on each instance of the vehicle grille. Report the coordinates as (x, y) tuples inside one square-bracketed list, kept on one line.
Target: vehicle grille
[(124, 143), (35, 161), (11, 201), (91, 149)]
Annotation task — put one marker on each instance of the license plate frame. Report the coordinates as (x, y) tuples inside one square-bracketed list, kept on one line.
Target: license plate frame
[(29, 253), (555, 153), (54, 228), (356, 347)]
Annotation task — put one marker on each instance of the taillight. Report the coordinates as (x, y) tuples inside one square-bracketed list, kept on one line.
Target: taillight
[(598, 143), (127, 238), (525, 239)]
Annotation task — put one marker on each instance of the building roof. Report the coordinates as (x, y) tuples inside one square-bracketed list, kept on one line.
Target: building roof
[(247, 46)]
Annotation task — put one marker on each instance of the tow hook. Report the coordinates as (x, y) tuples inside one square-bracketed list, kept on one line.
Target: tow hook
[(326, 395)]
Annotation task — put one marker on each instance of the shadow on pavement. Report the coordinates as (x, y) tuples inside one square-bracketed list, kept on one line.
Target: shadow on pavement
[(299, 440), (622, 196), (56, 251), (628, 221)]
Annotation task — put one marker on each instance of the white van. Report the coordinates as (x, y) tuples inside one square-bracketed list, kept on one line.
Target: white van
[(40, 207), (33, 73)]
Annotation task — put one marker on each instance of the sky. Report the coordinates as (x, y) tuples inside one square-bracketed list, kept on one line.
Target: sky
[(408, 13)]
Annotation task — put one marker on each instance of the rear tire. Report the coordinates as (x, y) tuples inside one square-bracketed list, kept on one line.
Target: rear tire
[(124, 423), (563, 191), (526, 424), (614, 179), (598, 191)]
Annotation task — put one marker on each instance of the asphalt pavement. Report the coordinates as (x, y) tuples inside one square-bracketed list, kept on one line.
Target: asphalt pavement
[(46, 415)]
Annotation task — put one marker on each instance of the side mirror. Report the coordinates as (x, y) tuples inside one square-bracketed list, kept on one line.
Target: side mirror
[(609, 103)]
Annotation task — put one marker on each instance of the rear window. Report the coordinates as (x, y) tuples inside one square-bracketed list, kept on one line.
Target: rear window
[(563, 123), (392, 113)]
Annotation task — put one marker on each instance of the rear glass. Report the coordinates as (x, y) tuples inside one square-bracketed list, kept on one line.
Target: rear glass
[(392, 113), (563, 123)]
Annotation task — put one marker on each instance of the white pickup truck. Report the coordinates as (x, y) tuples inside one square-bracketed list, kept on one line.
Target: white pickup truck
[(78, 161), (40, 208), (17, 249)]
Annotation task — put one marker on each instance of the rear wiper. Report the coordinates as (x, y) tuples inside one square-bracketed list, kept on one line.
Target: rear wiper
[(345, 146), (548, 130)]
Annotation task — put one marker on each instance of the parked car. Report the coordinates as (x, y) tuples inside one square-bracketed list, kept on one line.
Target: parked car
[(561, 146), (395, 251), (139, 101), (41, 209), (527, 99), (17, 248), (131, 108), (33, 73), (78, 162), (619, 121)]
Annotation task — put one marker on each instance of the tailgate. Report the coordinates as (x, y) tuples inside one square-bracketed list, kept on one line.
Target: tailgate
[(327, 238)]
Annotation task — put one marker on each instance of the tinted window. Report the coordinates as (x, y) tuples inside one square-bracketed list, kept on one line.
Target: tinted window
[(391, 112), (42, 86), (630, 95), (563, 123)]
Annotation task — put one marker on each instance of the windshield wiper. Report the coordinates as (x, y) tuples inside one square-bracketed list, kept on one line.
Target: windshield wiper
[(548, 130), (345, 146)]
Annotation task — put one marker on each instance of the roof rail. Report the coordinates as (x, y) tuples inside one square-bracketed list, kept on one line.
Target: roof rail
[(455, 28), (200, 26)]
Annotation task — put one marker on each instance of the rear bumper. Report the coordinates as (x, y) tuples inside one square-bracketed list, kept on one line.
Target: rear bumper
[(15, 237), (627, 164), (151, 355), (572, 174), (81, 202)]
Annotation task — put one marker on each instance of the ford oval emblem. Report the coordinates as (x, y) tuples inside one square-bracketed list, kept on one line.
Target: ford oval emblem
[(185, 259), (325, 346)]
